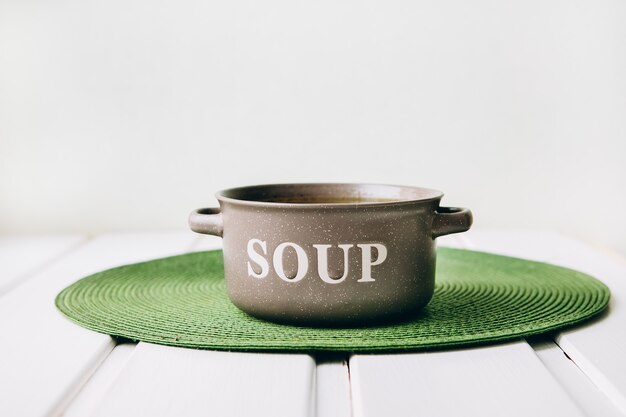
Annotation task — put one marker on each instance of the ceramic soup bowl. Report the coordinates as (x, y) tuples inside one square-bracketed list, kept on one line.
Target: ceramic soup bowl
[(330, 254)]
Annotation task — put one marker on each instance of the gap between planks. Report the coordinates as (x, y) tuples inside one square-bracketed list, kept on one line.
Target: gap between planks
[(333, 397), (92, 392), (575, 382)]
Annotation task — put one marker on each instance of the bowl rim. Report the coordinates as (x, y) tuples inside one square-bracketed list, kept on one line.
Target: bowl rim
[(410, 194)]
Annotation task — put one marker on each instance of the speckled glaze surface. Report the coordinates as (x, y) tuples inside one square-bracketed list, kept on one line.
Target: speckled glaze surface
[(330, 254)]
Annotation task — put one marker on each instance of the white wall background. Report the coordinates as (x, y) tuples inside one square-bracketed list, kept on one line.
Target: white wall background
[(125, 115)]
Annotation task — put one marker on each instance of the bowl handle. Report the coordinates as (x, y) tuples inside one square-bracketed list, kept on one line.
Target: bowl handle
[(451, 220), (207, 221)]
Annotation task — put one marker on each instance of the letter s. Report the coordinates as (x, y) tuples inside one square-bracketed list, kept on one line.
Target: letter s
[(258, 258)]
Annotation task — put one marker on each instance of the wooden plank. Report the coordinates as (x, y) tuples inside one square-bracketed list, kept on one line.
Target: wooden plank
[(502, 380), (484, 381), (46, 358), (333, 386), (22, 256), (91, 394), (598, 347), (170, 381), (579, 387)]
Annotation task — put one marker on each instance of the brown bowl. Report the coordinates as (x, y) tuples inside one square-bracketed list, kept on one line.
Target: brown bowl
[(330, 254)]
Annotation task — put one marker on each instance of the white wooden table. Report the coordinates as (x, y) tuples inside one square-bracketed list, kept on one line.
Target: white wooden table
[(50, 366)]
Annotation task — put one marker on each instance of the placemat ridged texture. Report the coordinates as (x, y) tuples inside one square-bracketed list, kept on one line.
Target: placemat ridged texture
[(479, 298)]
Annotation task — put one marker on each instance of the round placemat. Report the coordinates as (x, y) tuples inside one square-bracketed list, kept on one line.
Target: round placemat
[(479, 298)]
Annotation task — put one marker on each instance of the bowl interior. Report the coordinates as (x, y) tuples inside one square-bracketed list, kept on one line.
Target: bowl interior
[(329, 194)]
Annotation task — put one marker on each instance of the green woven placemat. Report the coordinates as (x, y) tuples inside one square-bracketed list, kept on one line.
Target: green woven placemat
[(479, 298)]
